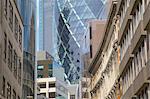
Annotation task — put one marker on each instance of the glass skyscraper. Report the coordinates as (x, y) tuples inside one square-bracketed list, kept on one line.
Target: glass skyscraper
[(72, 17), (46, 26)]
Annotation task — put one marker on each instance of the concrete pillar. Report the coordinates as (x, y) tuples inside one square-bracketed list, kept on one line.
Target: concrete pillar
[(47, 87), (144, 97), (130, 74), (142, 58), (145, 44), (125, 82), (148, 43), (133, 69), (148, 92)]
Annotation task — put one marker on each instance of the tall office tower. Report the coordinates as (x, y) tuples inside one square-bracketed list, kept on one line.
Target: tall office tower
[(46, 26), (11, 50), (26, 8), (72, 17)]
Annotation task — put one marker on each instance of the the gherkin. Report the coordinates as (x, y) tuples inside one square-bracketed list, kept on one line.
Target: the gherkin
[(71, 19)]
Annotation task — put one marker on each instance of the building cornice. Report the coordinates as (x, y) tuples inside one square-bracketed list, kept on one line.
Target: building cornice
[(93, 67)]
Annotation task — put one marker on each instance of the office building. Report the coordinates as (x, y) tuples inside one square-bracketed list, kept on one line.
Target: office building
[(133, 40), (46, 35), (47, 67), (50, 77), (11, 50), (27, 10), (52, 88)]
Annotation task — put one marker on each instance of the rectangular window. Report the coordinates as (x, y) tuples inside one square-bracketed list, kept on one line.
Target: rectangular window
[(3, 85), (52, 95), (43, 94), (16, 28), (8, 91), (10, 56), (14, 94), (20, 37), (40, 76), (51, 85), (72, 96), (5, 9), (42, 85), (90, 32), (10, 15), (90, 51), (19, 72), (15, 64), (40, 67), (50, 66), (5, 46)]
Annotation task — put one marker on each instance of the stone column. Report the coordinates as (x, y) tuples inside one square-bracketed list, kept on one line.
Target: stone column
[(145, 44), (47, 87), (148, 92)]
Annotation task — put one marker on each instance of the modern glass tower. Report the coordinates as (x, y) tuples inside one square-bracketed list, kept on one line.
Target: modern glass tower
[(46, 26), (72, 17)]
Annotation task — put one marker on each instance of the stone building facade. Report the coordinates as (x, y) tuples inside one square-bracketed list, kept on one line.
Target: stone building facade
[(11, 50)]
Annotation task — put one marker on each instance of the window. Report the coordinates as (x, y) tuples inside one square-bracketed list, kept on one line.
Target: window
[(51, 85), (5, 9), (90, 32), (52, 95), (72, 96), (40, 67), (16, 28), (90, 51), (10, 56), (43, 94), (10, 15), (3, 85), (8, 91), (42, 85), (14, 94), (40, 76), (19, 72), (5, 46), (20, 37), (15, 64), (50, 66)]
